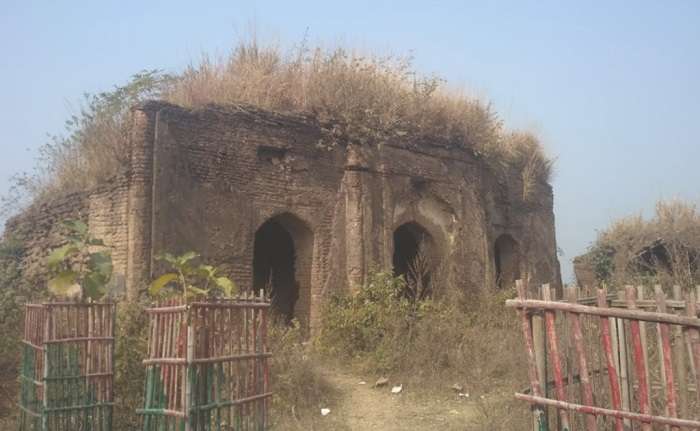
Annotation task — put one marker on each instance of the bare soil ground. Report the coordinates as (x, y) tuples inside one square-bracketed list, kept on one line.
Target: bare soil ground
[(369, 408), (364, 407)]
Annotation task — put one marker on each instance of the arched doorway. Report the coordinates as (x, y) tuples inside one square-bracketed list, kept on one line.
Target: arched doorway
[(507, 261), (413, 259), (282, 265)]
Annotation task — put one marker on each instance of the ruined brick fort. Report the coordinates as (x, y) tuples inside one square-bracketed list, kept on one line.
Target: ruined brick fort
[(276, 204)]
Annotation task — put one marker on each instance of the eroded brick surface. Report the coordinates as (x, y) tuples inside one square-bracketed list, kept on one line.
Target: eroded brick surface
[(207, 179)]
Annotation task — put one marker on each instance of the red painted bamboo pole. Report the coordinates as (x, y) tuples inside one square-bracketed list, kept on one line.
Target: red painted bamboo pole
[(610, 359), (529, 344), (550, 325), (666, 358), (583, 369), (638, 354), (619, 313), (676, 422), (694, 341)]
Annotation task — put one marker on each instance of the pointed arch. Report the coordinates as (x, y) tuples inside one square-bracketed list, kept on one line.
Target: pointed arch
[(282, 255)]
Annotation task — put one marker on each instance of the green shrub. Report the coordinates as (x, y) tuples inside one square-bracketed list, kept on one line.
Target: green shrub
[(13, 293), (300, 390), (130, 373), (453, 338), (357, 324)]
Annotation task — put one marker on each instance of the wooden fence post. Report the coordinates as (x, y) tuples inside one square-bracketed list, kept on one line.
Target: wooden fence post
[(640, 363), (540, 346), (693, 341), (623, 361), (666, 359), (577, 333), (634, 315), (610, 358), (679, 369), (553, 347), (643, 335), (188, 369)]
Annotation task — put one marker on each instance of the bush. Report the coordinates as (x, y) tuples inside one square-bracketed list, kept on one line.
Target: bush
[(300, 390), (130, 374), (357, 325), (664, 249), (453, 338), (13, 294)]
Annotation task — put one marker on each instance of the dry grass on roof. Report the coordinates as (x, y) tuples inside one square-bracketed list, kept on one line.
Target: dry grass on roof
[(373, 97), (367, 99)]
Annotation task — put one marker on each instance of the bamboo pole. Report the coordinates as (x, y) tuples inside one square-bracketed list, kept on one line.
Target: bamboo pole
[(643, 337), (550, 325), (679, 368), (639, 359), (623, 361), (645, 316), (617, 414), (610, 359), (189, 371), (693, 341), (586, 389), (666, 358), (540, 348)]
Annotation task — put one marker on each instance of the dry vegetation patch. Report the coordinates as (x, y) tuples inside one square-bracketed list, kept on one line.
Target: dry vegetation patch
[(362, 98), (664, 249)]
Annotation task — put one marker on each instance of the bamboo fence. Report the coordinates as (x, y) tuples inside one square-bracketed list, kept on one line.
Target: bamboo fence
[(207, 366), (624, 361), (67, 367)]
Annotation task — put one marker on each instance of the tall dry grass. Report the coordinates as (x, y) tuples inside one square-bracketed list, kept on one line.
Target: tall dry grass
[(371, 98), (663, 249), (364, 98)]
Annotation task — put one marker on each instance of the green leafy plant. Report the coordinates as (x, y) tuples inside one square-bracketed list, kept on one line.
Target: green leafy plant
[(76, 268), (189, 279)]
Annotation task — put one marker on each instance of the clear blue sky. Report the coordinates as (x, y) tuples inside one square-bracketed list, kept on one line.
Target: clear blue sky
[(613, 88)]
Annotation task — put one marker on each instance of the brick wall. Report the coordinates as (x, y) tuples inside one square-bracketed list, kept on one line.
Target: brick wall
[(207, 179)]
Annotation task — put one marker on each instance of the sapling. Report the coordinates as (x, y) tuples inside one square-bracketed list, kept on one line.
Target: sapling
[(190, 280), (77, 269)]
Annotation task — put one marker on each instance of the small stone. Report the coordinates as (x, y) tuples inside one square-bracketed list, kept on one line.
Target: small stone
[(383, 381), (397, 389), (325, 412), (362, 383)]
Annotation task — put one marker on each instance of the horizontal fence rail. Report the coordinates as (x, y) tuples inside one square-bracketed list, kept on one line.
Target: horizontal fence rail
[(67, 367), (207, 366), (617, 362)]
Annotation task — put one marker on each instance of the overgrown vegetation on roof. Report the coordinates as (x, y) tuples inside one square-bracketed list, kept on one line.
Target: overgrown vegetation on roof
[(663, 249), (367, 98)]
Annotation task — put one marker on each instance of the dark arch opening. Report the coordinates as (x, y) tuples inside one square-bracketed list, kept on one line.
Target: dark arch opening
[(507, 261), (412, 259), (275, 264)]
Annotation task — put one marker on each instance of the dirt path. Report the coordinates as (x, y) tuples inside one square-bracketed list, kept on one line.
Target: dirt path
[(363, 407)]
